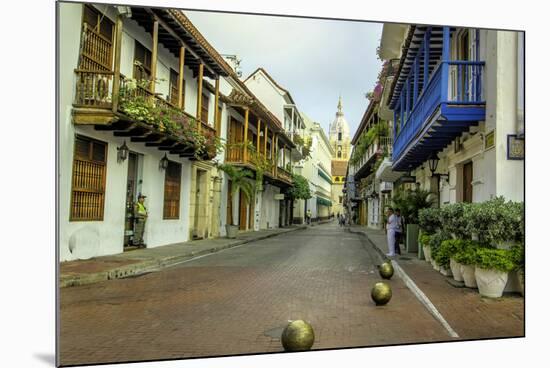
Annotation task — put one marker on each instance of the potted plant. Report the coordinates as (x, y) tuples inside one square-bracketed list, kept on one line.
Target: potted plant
[(454, 220), (492, 268), (518, 256), (424, 240), (410, 203), (447, 252), (435, 244), (240, 181), (465, 258)]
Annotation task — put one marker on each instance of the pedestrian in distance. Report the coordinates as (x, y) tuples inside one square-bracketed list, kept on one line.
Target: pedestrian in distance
[(308, 217), (398, 230), (391, 227), (140, 218)]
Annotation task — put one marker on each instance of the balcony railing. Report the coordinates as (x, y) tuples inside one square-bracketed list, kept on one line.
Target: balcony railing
[(94, 89), (453, 83), (380, 145), (284, 174)]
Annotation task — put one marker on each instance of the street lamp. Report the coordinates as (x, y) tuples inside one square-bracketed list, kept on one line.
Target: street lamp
[(432, 164), (122, 152), (163, 164)]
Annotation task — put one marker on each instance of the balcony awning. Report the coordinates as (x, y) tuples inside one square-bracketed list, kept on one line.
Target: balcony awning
[(324, 202), (385, 172), (324, 176)]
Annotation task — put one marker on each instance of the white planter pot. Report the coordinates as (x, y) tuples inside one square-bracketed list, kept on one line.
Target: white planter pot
[(468, 275), (445, 271), (435, 265), (427, 253), (491, 283), (455, 269)]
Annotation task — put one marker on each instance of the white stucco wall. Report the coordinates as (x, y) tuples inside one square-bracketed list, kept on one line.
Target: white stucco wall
[(94, 238)]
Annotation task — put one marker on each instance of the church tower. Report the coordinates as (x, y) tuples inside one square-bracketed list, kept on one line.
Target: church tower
[(339, 135), (340, 142)]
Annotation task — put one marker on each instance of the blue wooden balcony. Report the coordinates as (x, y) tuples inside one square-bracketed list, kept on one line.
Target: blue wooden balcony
[(435, 99)]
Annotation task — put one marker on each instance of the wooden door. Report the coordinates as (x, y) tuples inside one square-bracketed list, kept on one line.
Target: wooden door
[(242, 211), (467, 177), (131, 183)]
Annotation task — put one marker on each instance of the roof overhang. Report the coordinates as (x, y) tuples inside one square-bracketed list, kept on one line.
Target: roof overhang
[(392, 39)]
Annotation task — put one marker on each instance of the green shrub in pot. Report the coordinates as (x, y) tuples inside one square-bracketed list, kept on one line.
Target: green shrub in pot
[(449, 248), (495, 259), (429, 220), (454, 219)]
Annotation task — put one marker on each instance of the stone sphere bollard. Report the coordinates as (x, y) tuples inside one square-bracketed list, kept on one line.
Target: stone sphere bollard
[(298, 336), (386, 270), (381, 293)]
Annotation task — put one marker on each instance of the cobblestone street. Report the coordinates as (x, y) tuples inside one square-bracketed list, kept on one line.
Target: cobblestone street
[(237, 301)]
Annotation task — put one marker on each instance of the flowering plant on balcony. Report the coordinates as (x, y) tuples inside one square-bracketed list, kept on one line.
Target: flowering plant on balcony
[(379, 129)]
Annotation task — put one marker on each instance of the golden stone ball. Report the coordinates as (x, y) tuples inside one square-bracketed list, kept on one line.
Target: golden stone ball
[(381, 293), (298, 336), (386, 270)]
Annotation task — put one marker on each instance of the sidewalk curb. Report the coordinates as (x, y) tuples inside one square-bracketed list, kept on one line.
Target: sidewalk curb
[(153, 265), (422, 298)]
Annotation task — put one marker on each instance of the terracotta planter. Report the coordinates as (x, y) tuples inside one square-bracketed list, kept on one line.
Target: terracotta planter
[(468, 275), (491, 283), (455, 269)]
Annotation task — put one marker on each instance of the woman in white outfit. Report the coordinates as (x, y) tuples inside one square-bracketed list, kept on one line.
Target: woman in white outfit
[(392, 226)]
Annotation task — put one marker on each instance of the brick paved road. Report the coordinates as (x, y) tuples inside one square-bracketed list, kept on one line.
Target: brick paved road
[(237, 301)]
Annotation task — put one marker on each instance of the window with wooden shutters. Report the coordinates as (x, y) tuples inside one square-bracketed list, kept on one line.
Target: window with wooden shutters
[(143, 56), (204, 109), (172, 182), (88, 182), (174, 90), (97, 41)]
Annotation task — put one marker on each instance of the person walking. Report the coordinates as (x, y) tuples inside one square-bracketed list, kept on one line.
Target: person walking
[(391, 226), (308, 216), (398, 230), (140, 217)]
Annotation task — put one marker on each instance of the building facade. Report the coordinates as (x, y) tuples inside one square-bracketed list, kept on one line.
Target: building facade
[(317, 171), (144, 104), (457, 103)]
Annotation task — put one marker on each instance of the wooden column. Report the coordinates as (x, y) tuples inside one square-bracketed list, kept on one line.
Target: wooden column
[(245, 138), (199, 96), (258, 129), (444, 64), (217, 108), (116, 79), (154, 55), (426, 56), (265, 140), (181, 101), (284, 157), (276, 150)]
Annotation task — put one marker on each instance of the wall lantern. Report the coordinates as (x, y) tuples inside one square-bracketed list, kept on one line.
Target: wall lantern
[(432, 164), (122, 152), (163, 164)]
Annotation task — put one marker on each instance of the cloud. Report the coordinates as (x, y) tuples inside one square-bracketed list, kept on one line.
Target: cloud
[(315, 60)]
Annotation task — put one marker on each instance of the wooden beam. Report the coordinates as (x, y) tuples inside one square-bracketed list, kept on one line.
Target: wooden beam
[(118, 46), (199, 95), (245, 138), (181, 102), (154, 55), (153, 137), (265, 140), (217, 108), (119, 125), (173, 33), (258, 130), (136, 132)]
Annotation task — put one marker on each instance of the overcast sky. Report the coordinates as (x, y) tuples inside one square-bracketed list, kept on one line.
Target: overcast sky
[(315, 60)]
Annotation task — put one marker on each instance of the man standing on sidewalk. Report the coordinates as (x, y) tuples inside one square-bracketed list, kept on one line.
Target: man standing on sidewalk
[(392, 225), (140, 217), (308, 216)]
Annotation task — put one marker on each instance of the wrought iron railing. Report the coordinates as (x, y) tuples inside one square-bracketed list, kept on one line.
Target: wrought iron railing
[(462, 85)]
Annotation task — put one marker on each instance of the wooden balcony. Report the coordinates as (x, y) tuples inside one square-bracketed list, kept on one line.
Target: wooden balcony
[(94, 105), (284, 175)]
